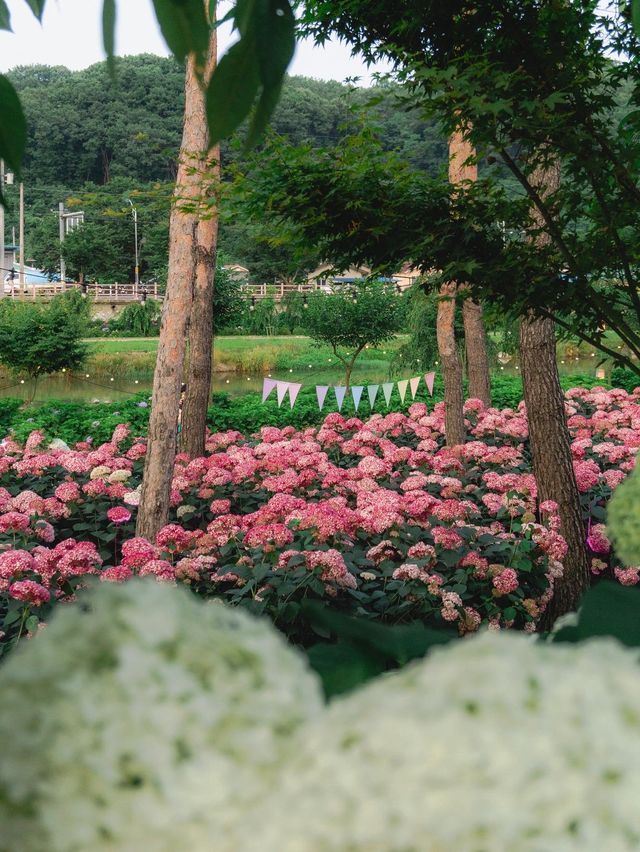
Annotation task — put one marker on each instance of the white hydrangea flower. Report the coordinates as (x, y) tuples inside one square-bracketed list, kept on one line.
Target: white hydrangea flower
[(120, 475), (494, 744), (151, 722)]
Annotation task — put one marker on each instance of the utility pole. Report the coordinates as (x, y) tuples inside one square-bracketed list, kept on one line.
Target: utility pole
[(61, 234), (23, 286), (135, 237)]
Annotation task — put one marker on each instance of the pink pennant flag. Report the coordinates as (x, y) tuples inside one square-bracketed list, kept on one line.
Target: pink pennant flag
[(294, 390), (414, 384), (372, 390), (356, 393), (340, 395), (430, 379), (387, 389), (267, 386), (281, 391), (402, 388), (321, 394)]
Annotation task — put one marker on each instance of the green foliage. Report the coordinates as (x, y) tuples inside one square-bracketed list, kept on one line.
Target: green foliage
[(608, 609), (350, 319), (623, 519), (228, 302), (37, 339), (625, 379), (140, 318), (421, 317), (362, 649)]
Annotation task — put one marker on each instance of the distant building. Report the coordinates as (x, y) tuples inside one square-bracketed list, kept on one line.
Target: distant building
[(236, 271)]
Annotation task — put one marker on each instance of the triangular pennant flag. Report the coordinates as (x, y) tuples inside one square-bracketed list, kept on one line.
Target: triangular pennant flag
[(373, 393), (402, 388), (340, 394), (281, 391), (294, 390), (387, 390), (430, 379), (267, 386), (414, 384), (356, 393), (321, 393)]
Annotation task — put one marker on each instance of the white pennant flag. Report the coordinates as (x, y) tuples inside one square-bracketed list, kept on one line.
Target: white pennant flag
[(281, 391), (340, 394), (402, 388), (387, 389), (356, 393), (267, 386), (372, 390), (294, 390), (321, 394), (414, 384)]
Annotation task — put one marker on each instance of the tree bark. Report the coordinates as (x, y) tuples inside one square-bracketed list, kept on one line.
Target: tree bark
[(459, 151), (451, 366), (198, 381), (185, 257), (549, 437), (475, 338)]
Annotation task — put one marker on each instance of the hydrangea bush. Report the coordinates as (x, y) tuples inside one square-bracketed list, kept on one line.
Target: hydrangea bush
[(378, 518), (143, 719), (495, 743)]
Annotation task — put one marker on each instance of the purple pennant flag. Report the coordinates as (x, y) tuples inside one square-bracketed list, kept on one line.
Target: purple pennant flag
[(340, 394), (267, 386), (430, 379), (402, 388), (414, 384), (373, 393), (321, 393), (281, 391), (387, 390), (294, 390), (356, 393)]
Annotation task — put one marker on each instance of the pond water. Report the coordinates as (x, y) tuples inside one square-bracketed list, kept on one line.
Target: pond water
[(83, 388)]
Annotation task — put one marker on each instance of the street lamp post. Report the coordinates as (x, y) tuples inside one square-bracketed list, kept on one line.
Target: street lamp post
[(135, 237)]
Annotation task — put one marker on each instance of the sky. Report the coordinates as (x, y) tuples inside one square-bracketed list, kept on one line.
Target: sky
[(71, 35)]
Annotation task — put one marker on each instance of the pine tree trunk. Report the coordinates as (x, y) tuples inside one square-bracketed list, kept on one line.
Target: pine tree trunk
[(551, 455), (198, 381), (459, 151), (475, 338), (451, 367), (184, 260), (549, 437)]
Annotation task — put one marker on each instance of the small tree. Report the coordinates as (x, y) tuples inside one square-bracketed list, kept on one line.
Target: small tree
[(349, 320), (142, 319), (228, 302), (40, 339)]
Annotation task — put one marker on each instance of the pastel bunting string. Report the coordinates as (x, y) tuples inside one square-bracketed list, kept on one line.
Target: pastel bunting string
[(283, 388)]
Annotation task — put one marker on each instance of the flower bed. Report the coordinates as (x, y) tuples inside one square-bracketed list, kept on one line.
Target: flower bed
[(377, 518)]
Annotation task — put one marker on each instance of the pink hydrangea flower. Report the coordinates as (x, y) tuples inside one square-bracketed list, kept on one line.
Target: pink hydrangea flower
[(119, 515)]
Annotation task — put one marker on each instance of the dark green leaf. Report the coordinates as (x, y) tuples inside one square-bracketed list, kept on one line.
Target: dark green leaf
[(397, 644), (635, 15), (37, 7), (184, 26), (607, 610), (13, 126), (343, 666), (232, 90), (5, 17), (261, 115), (109, 31), (275, 41)]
